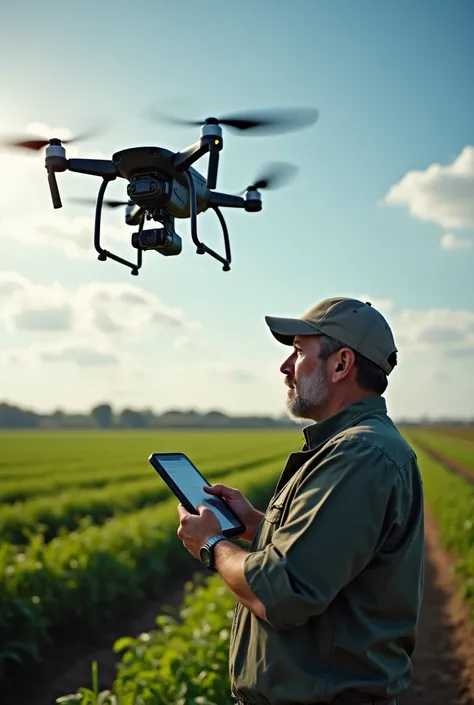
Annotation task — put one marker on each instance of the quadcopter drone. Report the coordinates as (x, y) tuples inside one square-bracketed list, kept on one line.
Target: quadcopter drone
[(164, 186)]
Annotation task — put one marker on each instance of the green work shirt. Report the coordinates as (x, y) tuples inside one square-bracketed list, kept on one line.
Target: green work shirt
[(337, 561)]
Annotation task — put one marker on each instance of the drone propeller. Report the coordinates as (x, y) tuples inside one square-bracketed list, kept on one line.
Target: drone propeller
[(264, 122), (109, 203), (274, 176), (36, 143)]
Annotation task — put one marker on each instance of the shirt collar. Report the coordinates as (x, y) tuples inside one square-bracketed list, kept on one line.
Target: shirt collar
[(318, 433)]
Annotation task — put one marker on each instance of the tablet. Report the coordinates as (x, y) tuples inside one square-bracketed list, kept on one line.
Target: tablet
[(186, 482)]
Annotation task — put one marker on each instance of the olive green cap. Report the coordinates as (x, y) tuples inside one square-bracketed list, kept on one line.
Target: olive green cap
[(356, 324)]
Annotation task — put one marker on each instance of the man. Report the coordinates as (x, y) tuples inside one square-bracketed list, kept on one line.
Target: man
[(329, 590)]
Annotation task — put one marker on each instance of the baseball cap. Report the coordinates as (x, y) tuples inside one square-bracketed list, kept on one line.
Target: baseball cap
[(354, 323)]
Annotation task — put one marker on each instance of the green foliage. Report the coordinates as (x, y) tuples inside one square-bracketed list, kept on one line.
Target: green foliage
[(451, 501), (183, 662), (95, 572)]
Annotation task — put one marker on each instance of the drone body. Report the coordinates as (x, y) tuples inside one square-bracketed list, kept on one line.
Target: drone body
[(163, 186)]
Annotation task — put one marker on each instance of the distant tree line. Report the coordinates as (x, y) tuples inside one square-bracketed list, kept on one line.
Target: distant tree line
[(104, 416)]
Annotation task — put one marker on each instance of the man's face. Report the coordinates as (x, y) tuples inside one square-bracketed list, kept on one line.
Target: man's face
[(306, 377)]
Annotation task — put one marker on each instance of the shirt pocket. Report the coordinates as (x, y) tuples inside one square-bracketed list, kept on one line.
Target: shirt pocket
[(274, 513)]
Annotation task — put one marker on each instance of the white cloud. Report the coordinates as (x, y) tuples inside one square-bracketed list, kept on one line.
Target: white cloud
[(454, 242), (73, 236), (80, 354), (441, 194), (382, 305), (103, 310), (436, 331)]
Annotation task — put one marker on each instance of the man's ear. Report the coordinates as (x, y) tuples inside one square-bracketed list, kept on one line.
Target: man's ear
[(344, 363)]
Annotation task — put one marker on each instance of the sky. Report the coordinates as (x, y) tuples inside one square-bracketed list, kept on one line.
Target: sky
[(382, 207)]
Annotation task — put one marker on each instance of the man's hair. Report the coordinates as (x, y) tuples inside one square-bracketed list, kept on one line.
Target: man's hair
[(369, 376)]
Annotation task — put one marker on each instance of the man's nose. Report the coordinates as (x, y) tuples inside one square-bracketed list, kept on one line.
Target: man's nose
[(287, 367)]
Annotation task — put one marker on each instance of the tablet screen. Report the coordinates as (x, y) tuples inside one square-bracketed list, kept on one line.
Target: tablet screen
[(190, 482)]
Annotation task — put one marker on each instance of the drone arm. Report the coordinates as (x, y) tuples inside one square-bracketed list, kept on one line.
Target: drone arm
[(225, 200), (183, 160), (94, 167), (211, 141)]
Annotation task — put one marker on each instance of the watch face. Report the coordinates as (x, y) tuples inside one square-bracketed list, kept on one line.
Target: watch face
[(206, 557)]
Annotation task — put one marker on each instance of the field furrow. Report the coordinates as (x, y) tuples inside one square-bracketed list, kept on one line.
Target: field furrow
[(457, 450)]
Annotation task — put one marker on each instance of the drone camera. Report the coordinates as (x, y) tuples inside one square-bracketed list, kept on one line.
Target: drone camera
[(163, 240)]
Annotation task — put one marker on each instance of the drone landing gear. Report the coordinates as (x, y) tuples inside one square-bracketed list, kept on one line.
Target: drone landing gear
[(104, 254), (201, 248)]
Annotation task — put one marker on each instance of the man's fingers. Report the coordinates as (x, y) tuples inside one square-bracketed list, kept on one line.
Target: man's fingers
[(182, 512), (223, 491), (202, 509)]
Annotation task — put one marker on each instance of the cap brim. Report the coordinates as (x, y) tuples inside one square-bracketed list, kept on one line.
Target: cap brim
[(285, 329)]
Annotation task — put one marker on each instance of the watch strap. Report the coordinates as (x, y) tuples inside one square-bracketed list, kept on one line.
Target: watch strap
[(209, 545)]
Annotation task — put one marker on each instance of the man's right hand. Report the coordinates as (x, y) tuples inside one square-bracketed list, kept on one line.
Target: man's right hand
[(247, 513)]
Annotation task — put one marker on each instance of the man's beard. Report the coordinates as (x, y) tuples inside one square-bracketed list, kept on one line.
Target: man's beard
[(308, 395)]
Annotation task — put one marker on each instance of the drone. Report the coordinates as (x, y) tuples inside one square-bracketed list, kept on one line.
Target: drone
[(164, 185)]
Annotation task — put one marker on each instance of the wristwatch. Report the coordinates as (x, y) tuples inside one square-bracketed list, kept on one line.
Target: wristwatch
[(207, 551)]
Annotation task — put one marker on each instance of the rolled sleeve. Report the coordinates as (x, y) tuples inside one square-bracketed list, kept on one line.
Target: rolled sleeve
[(338, 516)]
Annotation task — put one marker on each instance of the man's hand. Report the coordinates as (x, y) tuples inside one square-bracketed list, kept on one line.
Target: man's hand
[(250, 516), (194, 530)]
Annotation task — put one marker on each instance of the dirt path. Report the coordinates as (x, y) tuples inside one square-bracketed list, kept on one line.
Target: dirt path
[(444, 657)]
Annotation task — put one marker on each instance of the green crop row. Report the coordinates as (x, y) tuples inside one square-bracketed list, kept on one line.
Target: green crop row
[(460, 450), (461, 432), (183, 662), (96, 460), (451, 501), (53, 515), (90, 575)]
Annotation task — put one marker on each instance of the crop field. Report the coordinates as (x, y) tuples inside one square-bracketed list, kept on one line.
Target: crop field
[(88, 537)]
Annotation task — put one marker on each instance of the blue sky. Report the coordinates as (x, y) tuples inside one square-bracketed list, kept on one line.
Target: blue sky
[(392, 83)]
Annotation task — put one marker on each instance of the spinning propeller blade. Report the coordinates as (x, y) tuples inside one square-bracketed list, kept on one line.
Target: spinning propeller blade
[(109, 203), (263, 122), (273, 176), (35, 143)]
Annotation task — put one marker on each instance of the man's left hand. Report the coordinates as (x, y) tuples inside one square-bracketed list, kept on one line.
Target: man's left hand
[(194, 530)]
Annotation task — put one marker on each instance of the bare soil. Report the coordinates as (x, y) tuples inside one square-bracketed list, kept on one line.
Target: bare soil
[(443, 660), (444, 656)]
